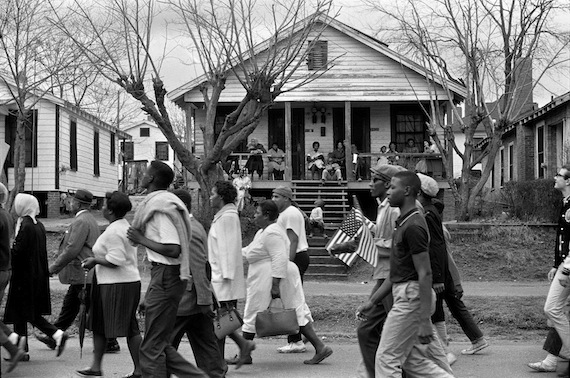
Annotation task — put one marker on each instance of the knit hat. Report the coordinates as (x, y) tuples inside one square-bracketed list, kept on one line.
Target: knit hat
[(319, 203), (429, 185), (83, 195), (385, 172), (284, 191)]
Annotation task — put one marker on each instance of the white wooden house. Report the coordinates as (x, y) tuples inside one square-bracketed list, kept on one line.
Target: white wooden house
[(66, 149)]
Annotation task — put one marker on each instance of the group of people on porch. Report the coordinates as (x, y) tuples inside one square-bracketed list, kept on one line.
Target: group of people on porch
[(326, 166)]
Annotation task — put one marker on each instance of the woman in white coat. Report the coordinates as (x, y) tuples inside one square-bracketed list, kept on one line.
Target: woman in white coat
[(224, 255), (272, 275)]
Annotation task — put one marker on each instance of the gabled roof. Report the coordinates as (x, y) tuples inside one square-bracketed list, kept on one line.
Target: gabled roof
[(69, 106), (456, 86), (143, 122)]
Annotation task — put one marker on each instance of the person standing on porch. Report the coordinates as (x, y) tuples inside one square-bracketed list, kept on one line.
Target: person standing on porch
[(293, 221)]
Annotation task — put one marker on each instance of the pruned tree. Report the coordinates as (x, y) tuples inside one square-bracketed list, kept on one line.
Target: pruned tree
[(29, 62), (225, 35), (493, 46)]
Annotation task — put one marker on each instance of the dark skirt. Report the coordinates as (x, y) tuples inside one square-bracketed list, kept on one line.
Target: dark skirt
[(114, 308)]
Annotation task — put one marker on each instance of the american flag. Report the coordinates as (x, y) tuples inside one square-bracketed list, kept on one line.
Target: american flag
[(352, 227)]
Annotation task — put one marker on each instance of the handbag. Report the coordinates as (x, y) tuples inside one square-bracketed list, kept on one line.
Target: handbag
[(276, 321), (227, 319)]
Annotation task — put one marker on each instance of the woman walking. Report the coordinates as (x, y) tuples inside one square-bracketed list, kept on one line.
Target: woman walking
[(272, 275), (116, 287), (29, 294)]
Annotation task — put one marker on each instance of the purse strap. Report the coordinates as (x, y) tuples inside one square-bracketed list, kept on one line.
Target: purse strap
[(274, 299)]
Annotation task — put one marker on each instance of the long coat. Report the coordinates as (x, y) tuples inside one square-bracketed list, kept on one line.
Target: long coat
[(29, 293)]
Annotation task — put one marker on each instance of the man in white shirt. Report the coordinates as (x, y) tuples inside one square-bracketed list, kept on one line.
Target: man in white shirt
[(292, 220), (162, 225)]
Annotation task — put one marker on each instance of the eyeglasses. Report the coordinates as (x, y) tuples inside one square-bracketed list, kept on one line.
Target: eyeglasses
[(563, 176)]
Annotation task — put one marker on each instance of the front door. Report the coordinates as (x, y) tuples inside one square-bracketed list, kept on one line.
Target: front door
[(360, 127), (298, 143), (276, 130)]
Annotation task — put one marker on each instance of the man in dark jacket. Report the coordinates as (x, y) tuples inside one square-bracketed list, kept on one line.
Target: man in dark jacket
[(75, 247), (194, 317)]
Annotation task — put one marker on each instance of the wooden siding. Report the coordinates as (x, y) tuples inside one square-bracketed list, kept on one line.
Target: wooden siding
[(145, 147), (360, 73)]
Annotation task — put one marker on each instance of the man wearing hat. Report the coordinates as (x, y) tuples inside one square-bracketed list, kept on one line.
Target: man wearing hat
[(372, 321), (293, 221), (75, 247)]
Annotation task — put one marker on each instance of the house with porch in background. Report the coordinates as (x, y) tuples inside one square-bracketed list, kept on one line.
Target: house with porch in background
[(66, 149), (367, 97)]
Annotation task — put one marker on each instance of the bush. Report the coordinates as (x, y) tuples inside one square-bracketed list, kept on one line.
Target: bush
[(533, 200)]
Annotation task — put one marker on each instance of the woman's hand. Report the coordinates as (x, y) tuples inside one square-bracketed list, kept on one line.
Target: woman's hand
[(135, 235), (88, 263)]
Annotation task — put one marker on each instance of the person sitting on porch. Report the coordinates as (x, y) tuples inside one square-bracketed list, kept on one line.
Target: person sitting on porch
[(359, 165), (392, 150), (411, 161), (276, 162), (255, 161), (383, 159), (332, 173), (338, 156), (316, 220), (316, 161)]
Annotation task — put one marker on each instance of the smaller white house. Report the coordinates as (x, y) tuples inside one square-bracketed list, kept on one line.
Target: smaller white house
[(148, 143)]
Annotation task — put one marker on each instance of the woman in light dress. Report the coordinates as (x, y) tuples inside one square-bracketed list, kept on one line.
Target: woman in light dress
[(272, 275)]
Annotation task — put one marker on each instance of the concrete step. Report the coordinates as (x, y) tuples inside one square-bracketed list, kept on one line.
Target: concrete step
[(325, 260), (327, 268), (326, 276)]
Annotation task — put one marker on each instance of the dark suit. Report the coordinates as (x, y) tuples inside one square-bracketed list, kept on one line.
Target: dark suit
[(76, 246), (189, 319)]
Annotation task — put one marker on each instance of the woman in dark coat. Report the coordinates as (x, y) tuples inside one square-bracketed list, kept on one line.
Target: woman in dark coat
[(29, 294)]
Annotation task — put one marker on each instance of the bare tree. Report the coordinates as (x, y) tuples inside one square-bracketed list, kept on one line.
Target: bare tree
[(225, 37), (29, 62), (492, 46)]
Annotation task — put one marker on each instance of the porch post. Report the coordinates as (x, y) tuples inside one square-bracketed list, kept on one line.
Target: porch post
[(288, 161), (348, 140)]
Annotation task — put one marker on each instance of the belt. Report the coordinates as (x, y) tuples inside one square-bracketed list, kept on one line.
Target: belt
[(154, 263)]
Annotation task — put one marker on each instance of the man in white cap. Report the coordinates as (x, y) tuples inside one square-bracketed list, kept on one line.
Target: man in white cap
[(293, 221)]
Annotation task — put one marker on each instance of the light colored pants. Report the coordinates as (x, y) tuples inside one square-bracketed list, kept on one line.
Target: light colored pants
[(399, 345), (554, 310)]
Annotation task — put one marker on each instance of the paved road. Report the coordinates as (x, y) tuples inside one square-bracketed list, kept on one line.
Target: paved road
[(501, 360)]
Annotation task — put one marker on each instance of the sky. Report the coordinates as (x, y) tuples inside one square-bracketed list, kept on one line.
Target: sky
[(181, 66)]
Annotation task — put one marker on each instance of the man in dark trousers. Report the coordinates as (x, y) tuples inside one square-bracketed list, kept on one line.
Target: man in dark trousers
[(162, 224), (370, 327), (194, 316), (75, 247)]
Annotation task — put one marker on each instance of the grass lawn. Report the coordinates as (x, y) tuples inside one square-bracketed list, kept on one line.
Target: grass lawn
[(502, 254)]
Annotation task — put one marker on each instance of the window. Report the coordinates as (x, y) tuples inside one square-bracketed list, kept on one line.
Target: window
[(161, 151), (511, 162), (144, 131), (96, 171), (128, 150), (318, 55), (502, 165), (540, 151), (31, 138), (112, 146), (408, 122), (73, 145)]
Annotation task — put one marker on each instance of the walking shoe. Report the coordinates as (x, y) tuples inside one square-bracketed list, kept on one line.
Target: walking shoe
[(112, 346), (542, 367), (89, 373), (235, 359), (61, 344), (48, 341), (245, 354), (477, 346), (19, 356), (451, 358), (319, 357), (297, 347)]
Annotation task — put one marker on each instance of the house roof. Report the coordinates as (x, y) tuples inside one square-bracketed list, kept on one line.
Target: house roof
[(455, 85), (143, 122), (69, 106)]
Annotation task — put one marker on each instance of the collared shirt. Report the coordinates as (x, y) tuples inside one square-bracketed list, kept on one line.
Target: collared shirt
[(410, 237), (292, 219), (383, 230)]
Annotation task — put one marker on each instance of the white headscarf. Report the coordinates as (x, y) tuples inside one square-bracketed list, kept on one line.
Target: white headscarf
[(3, 195), (25, 205)]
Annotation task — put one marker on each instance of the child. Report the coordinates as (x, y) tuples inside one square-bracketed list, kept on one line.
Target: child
[(316, 220)]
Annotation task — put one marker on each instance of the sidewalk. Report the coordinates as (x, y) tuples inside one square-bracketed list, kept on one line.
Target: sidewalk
[(502, 359)]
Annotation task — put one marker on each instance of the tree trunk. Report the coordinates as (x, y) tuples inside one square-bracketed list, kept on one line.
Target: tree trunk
[(203, 212), (19, 160)]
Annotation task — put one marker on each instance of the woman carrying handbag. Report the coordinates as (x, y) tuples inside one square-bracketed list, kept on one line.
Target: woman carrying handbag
[(271, 275)]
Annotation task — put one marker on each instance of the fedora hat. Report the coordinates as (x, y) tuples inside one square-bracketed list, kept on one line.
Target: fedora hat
[(83, 196)]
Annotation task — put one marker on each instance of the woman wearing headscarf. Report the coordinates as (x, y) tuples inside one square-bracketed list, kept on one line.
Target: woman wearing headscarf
[(29, 295), (116, 288), (272, 275)]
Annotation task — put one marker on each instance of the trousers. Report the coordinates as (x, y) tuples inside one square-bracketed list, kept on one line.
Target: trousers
[(554, 310), (302, 260)]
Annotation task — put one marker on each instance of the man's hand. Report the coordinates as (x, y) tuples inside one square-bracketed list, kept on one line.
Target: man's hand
[(564, 280), (275, 293), (346, 247), (438, 287), (207, 310), (142, 308), (425, 331), (363, 309), (551, 274)]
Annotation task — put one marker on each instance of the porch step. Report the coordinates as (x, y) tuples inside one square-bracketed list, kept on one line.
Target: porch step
[(325, 276), (323, 266)]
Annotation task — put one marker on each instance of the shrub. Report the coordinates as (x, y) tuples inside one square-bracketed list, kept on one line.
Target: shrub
[(533, 200)]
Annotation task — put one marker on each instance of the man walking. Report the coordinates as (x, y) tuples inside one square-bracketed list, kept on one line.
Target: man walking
[(162, 225), (293, 221), (370, 327), (407, 337), (195, 313), (559, 276), (75, 247)]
